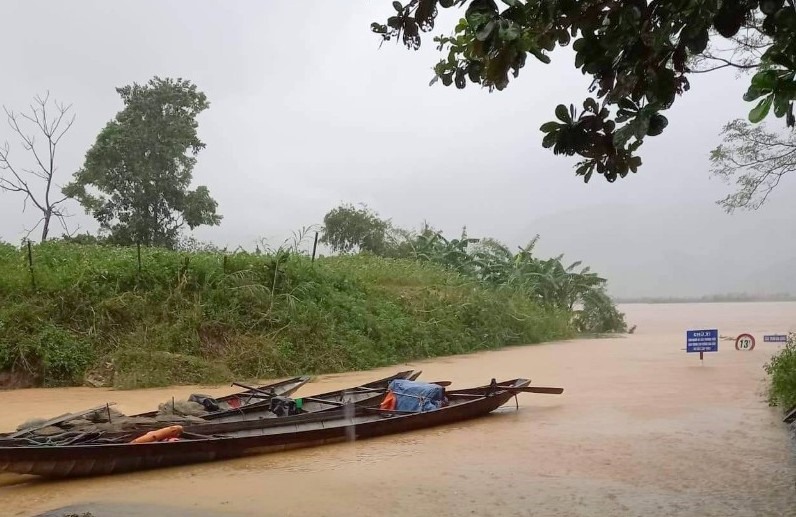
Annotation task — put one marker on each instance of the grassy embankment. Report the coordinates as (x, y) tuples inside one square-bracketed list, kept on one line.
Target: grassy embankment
[(198, 317)]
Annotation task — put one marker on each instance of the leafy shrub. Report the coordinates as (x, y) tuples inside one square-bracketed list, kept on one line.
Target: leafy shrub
[(782, 369), (599, 314)]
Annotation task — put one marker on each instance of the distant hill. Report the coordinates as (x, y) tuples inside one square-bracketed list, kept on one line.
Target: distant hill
[(677, 251), (716, 298)]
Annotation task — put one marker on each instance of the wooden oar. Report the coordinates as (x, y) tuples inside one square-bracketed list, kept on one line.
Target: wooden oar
[(324, 401), (253, 389), (534, 389)]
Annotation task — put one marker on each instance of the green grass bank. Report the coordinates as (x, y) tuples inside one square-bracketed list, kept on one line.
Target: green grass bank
[(89, 311)]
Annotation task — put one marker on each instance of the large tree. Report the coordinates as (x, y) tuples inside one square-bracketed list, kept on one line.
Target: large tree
[(639, 54), (136, 176), (36, 182), (347, 228)]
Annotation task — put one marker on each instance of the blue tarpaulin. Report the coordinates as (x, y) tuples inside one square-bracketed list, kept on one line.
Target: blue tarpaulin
[(416, 396)]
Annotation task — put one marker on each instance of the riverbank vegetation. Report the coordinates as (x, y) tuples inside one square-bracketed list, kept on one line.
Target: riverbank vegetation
[(782, 371), (90, 312), (82, 309)]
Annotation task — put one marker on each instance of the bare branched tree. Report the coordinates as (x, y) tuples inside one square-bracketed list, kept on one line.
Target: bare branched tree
[(754, 159), (36, 183), (742, 52)]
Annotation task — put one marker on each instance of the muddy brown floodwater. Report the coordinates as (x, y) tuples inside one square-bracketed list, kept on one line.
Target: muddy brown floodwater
[(642, 429)]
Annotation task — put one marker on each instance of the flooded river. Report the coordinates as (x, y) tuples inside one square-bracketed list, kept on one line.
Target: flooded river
[(642, 429)]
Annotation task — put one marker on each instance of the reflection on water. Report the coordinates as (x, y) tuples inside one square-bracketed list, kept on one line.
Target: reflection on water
[(641, 429)]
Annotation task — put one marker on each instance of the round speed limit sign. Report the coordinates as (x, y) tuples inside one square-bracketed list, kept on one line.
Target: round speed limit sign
[(745, 342)]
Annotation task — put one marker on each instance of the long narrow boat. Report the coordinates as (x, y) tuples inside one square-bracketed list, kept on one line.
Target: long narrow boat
[(369, 392), (249, 396), (233, 439), (258, 405), (238, 401)]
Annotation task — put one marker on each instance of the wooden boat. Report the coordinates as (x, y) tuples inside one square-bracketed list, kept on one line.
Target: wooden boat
[(215, 441), (254, 403), (249, 396), (369, 392), (238, 400)]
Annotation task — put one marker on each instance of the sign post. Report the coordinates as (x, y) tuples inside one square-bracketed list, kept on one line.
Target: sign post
[(775, 338), (702, 341), (745, 342)]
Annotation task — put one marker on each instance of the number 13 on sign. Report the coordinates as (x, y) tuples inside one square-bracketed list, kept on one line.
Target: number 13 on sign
[(745, 342)]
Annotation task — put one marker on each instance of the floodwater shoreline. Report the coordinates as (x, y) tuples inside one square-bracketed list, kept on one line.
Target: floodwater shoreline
[(642, 429)]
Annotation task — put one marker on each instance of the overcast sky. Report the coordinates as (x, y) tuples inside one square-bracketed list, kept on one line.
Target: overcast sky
[(308, 112)]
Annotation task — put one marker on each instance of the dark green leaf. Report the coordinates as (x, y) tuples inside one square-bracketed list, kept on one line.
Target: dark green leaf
[(752, 93), (486, 31), (699, 42), (640, 127), (781, 59), (549, 126), (510, 33), (397, 6), (562, 113), (622, 135), (764, 80), (549, 140), (544, 58), (760, 111), (781, 103), (627, 104), (657, 124), (460, 79)]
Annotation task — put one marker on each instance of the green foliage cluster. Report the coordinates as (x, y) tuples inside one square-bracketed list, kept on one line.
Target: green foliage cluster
[(136, 177), (782, 371), (348, 228), (639, 55), (547, 282), (204, 316)]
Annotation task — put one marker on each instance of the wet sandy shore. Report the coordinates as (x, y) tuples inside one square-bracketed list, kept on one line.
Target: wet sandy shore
[(642, 430)]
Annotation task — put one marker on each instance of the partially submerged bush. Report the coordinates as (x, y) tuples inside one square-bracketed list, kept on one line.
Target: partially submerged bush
[(599, 314), (782, 369)]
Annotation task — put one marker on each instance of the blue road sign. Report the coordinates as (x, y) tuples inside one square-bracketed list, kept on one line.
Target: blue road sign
[(775, 338), (702, 340)]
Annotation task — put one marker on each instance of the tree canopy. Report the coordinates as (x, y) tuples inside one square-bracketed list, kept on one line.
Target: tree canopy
[(638, 53), (347, 228), (136, 177), (755, 160)]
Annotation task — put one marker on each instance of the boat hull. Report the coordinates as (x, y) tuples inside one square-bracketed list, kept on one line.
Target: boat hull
[(250, 438)]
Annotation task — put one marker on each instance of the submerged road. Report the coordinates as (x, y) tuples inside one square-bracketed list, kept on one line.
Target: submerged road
[(642, 429)]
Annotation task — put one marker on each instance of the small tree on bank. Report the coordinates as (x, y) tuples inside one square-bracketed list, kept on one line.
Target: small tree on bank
[(136, 176), (348, 229)]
